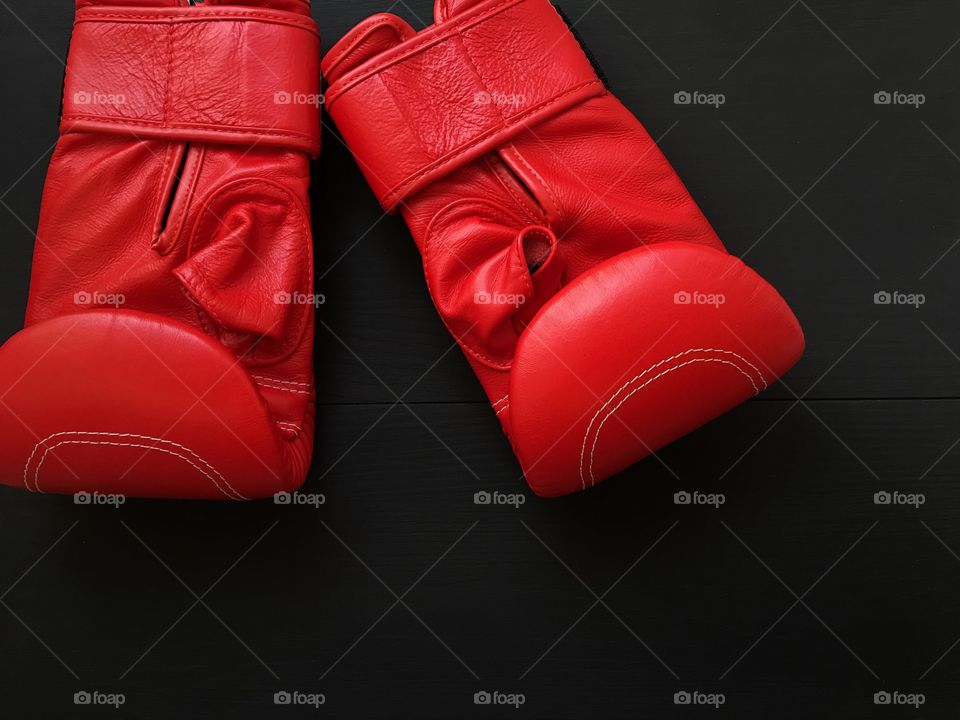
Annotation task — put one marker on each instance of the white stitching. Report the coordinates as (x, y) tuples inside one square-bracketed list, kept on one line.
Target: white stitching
[(673, 368), (505, 397), (36, 478), (284, 389), (282, 382), (505, 407)]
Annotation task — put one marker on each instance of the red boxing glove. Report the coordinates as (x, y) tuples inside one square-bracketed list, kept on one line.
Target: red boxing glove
[(169, 331), (596, 304)]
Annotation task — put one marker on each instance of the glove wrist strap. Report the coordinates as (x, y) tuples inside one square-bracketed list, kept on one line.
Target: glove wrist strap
[(457, 91), (233, 75)]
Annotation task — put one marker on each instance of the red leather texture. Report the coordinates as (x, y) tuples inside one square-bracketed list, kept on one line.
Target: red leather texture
[(169, 332), (186, 72), (598, 307), (396, 162)]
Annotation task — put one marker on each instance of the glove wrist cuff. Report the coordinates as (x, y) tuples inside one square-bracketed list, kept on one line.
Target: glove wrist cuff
[(232, 75), (474, 101)]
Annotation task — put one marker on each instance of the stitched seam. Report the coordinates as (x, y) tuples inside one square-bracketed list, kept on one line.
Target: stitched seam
[(121, 435), (162, 185), (332, 63), (169, 74), (283, 389), (651, 369), (509, 185), (504, 398), (657, 377), (596, 437), (50, 449), (453, 30), (191, 185), (690, 351), (283, 382), (124, 435), (175, 125), (206, 16), (543, 184), (399, 192)]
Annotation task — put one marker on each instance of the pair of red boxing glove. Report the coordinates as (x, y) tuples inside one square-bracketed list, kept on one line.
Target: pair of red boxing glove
[(169, 331)]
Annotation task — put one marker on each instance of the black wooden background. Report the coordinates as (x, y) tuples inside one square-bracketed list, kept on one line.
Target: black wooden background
[(401, 598)]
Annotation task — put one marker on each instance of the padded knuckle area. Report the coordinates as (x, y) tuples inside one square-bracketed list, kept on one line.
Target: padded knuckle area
[(638, 352), (129, 403)]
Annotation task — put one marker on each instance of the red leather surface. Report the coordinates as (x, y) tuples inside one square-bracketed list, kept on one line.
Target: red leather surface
[(630, 370), (571, 228), (470, 89), (168, 348), (184, 421), (227, 74)]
